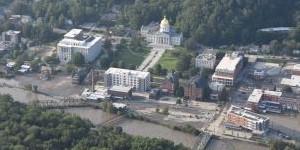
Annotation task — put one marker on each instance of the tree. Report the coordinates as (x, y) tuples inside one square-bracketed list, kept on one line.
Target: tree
[(107, 44), (104, 61), (35, 128), (287, 89), (178, 101), (78, 59), (157, 69), (183, 63), (179, 92), (165, 110), (275, 47)]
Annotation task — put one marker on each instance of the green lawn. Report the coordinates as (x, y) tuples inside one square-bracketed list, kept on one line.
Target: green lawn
[(132, 58), (169, 60)]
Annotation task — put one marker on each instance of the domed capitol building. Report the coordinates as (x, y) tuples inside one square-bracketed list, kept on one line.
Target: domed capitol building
[(162, 34)]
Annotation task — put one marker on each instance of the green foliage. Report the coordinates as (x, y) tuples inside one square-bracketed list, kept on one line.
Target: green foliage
[(165, 110), (188, 129), (280, 145), (77, 59), (184, 63), (178, 101), (24, 127), (216, 22), (179, 91), (133, 53)]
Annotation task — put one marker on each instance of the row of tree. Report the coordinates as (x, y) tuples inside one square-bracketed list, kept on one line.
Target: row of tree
[(24, 127), (216, 22)]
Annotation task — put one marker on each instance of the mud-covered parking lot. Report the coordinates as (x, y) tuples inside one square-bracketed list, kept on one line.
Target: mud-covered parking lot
[(59, 85)]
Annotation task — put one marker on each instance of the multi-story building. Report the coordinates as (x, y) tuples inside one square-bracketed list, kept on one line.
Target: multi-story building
[(264, 100), (239, 117), (75, 41), (168, 85), (194, 88), (161, 34), (228, 69), (11, 37), (138, 80), (293, 82), (296, 70), (205, 60)]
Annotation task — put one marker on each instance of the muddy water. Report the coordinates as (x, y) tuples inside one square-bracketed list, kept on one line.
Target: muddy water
[(140, 128), (135, 127), (97, 116)]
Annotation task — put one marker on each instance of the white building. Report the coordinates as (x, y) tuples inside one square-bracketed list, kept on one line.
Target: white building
[(296, 69), (228, 69), (161, 34), (138, 80), (293, 82), (75, 41), (240, 117), (11, 37), (205, 60)]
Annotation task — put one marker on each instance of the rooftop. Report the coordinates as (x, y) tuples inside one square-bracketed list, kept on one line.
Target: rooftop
[(75, 38), (247, 114), (293, 81), (206, 56), (277, 29), (73, 33), (139, 74), (119, 105), (257, 94), (296, 67), (12, 32), (229, 62), (120, 89)]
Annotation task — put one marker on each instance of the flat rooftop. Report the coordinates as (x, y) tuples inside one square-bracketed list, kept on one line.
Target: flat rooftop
[(247, 114), (296, 67), (124, 89), (12, 32), (294, 81), (206, 56), (257, 95), (139, 74), (229, 63), (73, 33)]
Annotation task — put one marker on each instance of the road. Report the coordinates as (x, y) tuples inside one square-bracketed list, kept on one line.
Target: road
[(214, 127), (289, 58), (151, 59)]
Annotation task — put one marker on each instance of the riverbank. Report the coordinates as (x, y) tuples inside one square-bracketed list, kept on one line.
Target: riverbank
[(97, 116)]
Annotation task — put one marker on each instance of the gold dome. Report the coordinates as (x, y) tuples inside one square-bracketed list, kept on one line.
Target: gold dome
[(164, 22)]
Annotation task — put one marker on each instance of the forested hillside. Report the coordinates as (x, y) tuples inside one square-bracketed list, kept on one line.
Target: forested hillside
[(210, 22), (217, 22), (24, 127)]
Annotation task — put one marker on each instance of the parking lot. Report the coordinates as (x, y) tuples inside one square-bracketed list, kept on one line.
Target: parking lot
[(59, 85), (197, 114)]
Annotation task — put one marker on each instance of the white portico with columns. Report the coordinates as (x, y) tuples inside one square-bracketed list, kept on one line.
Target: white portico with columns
[(161, 34)]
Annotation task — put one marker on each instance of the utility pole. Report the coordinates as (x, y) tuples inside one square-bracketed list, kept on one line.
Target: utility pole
[(93, 86)]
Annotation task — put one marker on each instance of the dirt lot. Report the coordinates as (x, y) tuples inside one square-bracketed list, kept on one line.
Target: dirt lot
[(194, 114), (226, 144), (60, 85)]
